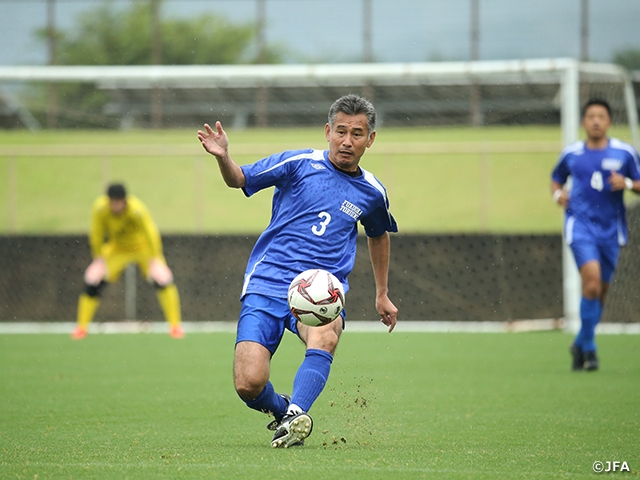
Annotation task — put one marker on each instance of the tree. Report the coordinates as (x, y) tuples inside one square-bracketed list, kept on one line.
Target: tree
[(628, 58), (109, 36)]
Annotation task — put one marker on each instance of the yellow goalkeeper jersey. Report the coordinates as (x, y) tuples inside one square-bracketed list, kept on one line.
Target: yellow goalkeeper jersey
[(133, 231)]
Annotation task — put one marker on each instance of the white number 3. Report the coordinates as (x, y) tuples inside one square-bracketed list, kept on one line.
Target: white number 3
[(596, 181), (319, 230)]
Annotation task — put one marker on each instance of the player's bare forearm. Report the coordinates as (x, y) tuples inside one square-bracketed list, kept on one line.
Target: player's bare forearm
[(231, 172), (380, 253), (216, 143)]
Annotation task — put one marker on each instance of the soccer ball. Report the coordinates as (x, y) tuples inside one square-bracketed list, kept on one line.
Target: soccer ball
[(316, 297)]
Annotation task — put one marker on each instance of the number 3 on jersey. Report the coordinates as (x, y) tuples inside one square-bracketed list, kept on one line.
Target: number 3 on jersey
[(319, 230)]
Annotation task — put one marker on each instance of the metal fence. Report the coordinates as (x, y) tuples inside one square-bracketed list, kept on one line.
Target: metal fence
[(432, 277)]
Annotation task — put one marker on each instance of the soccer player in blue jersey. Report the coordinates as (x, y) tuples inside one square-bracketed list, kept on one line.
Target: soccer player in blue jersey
[(601, 168), (318, 199)]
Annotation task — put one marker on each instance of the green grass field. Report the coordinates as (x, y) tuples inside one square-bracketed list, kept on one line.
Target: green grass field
[(458, 179), (404, 405)]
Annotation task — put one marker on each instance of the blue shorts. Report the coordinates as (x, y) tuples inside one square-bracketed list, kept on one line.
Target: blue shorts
[(264, 319), (607, 256)]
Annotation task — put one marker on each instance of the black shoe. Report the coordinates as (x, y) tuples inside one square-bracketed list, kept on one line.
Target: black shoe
[(273, 424), (292, 431), (578, 358), (591, 361)]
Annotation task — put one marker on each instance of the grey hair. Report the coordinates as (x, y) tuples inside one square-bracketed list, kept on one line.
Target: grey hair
[(352, 104)]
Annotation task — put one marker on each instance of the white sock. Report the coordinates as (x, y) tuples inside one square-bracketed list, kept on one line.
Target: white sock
[(294, 409)]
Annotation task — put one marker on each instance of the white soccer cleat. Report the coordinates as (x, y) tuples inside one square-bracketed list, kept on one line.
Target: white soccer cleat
[(292, 431)]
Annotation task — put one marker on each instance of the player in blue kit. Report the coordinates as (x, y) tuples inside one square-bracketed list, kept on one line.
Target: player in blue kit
[(318, 199), (595, 228)]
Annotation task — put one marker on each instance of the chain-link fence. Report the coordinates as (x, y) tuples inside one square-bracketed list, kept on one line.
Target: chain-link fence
[(432, 277), (623, 298)]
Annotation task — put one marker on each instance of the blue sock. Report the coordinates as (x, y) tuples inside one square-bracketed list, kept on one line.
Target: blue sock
[(269, 402), (590, 311), (311, 378)]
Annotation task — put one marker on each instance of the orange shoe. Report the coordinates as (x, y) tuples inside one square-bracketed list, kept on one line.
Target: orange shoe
[(79, 333), (176, 332)]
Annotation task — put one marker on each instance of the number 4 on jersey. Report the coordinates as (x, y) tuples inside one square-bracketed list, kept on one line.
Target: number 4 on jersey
[(596, 181)]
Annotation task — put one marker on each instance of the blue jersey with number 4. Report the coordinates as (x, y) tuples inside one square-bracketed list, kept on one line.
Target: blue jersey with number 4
[(314, 218), (595, 212)]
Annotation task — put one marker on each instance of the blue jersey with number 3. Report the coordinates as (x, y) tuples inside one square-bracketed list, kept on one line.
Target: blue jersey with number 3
[(595, 212), (314, 218)]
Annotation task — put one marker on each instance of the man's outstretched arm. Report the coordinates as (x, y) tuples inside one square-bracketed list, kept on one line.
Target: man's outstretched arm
[(380, 253), (216, 143)]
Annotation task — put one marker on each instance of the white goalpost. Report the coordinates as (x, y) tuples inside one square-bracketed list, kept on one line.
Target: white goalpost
[(398, 88), (575, 75)]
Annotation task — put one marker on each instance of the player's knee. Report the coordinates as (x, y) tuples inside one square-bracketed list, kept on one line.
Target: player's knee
[(160, 274), (248, 390), (592, 289), (323, 338), (160, 286), (96, 272), (250, 369), (249, 384), (94, 290)]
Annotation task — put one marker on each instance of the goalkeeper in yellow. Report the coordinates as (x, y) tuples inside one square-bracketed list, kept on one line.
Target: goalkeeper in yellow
[(123, 232)]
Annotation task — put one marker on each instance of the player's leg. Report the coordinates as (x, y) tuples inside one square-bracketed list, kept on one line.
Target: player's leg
[(309, 381), (312, 376), (169, 300), (260, 330), (608, 261), (588, 260), (251, 371), (88, 303), (102, 271), (609, 256), (167, 293), (89, 299), (590, 304)]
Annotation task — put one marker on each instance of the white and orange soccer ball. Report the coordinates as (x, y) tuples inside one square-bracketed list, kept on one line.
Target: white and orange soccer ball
[(316, 297)]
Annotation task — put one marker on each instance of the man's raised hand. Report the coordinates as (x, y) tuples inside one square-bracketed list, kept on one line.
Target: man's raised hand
[(214, 141)]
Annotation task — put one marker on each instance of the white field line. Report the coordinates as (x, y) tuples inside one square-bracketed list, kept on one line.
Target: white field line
[(352, 326)]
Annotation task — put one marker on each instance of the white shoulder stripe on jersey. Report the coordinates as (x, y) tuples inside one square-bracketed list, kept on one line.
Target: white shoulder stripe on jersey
[(313, 155), (619, 144), (368, 176), (574, 147)]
